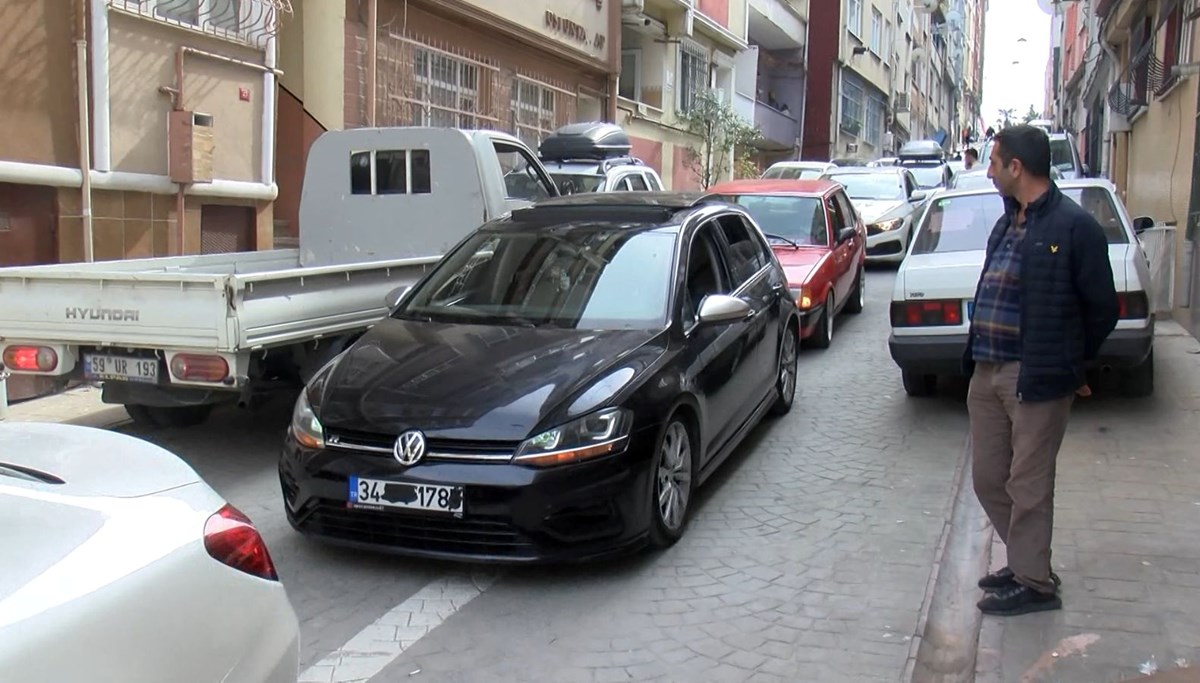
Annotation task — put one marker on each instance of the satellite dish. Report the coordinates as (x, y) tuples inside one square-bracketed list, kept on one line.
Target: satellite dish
[(1047, 6)]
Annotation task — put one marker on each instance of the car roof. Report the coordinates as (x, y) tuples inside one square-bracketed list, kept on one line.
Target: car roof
[(638, 208), (774, 185), (866, 170), (799, 164)]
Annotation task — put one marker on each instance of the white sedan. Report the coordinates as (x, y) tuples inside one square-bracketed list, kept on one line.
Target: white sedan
[(121, 564), (935, 286)]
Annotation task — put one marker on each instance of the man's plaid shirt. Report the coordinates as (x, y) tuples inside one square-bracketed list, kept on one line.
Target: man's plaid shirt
[(997, 316)]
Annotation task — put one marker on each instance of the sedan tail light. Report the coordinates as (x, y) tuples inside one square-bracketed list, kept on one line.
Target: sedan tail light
[(1134, 305), (944, 312), (231, 539), (30, 358)]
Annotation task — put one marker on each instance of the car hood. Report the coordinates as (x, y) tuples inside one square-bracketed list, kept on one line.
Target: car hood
[(798, 264), (478, 382), (875, 209)]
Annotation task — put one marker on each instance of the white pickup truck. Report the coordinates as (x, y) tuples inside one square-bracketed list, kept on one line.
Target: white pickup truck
[(171, 337)]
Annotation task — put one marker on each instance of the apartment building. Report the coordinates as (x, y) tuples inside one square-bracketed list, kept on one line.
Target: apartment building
[(771, 76)]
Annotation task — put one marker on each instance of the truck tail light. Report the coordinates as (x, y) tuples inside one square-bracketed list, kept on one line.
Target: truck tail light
[(945, 312), (1134, 305), (231, 539), (199, 368), (30, 358)]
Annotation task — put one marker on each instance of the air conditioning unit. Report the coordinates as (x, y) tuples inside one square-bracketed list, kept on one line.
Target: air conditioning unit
[(901, 102), (190, 147)]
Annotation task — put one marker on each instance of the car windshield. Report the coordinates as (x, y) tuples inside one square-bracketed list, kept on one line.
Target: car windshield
[(870, 185), (927, 176), (1061, 156), (799, 219), (586, 277), (572, 183), (963, 223), (792, 173)]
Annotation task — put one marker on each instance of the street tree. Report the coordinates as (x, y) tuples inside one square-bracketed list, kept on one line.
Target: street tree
[(724, 138), (1032, 114)]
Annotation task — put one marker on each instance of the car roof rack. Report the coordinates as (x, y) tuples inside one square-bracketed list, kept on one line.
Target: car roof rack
[(591, 140)]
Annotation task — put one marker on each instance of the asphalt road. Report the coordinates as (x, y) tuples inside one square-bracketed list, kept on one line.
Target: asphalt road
[(808, 557)]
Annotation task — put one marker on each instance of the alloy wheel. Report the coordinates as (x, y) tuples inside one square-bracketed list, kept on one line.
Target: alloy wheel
[(787, 368), (674, 476)]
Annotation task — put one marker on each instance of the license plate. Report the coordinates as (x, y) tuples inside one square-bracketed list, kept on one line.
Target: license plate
[(378, 494), (125, 368)]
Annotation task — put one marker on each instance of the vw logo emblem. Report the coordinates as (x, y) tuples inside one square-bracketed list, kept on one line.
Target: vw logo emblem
[(409, 448)]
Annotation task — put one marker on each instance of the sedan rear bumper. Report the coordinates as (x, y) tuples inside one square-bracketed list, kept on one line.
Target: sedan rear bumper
[(943, 354)]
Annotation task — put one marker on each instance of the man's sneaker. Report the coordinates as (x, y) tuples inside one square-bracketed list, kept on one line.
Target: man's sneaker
[(1004, 578), (1018, 599)]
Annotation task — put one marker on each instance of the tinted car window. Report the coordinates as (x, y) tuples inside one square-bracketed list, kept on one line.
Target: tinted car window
[(799, 219), (589, 277), (964, 223), (847, 209), (1062, 156), (745, 256)]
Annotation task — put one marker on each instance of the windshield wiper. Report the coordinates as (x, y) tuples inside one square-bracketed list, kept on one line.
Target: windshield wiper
[(772, 236)]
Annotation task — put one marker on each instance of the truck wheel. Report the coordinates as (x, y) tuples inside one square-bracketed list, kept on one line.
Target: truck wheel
[(168, 416), (919, 385), (1138, 382)]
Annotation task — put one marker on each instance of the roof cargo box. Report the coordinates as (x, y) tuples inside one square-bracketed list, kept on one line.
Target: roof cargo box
[(590, 140)]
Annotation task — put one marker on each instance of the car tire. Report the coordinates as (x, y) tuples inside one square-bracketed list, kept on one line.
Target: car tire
[(918, 385), (674, 465), (858, 297), (785, 376), (1138, 382), (823, 335), (168, 416)]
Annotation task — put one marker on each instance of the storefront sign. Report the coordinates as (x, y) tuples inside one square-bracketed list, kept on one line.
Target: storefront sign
[(573, 30)]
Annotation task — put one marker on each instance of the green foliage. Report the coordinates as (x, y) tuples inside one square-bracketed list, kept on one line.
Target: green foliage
[(721, 132), (1032, 114)]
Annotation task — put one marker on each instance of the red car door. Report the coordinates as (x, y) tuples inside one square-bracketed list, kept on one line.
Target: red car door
[(841, 251)]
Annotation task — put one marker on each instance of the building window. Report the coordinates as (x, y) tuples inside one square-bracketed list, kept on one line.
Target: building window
[(876, 32), (852, 106), (1176, 41), (445, 90), (630, 85), (693, 74), (874, 123), (889, 44), (854, 18), (248, 21), (533, 109)]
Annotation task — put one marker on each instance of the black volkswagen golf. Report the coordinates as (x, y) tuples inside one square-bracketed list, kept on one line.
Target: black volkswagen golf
[(554, 389)]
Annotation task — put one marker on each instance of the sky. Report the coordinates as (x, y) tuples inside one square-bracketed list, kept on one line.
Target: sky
[(1005, 84)]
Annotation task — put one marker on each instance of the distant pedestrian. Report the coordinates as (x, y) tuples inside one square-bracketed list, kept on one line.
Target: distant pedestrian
[(991, 133), (970, 159), (1044, 305)]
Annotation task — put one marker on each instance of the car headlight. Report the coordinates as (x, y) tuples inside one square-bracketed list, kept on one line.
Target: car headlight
[(592, 436), (885, 226), (305, 426), (803, 297)]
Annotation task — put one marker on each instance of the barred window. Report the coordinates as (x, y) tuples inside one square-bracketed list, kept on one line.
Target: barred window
[(533, 107), (693, 74), (445, 90), (852, 106)]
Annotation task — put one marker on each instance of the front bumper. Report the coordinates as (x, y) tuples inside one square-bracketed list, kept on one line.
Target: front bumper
[(809, 319), (943, 354), (888, 246), (512, 513)]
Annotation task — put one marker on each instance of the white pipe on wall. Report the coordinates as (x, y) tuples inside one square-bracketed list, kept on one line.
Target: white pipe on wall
[(268, 112), (61, 176), (101, 133)]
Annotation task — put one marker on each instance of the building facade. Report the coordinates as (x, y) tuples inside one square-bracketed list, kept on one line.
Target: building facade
[(770, 77)]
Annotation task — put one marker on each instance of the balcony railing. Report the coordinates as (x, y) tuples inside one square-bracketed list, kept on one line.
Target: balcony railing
[(777, 127)]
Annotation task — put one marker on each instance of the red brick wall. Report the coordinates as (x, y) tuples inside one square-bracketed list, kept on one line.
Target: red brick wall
[(683, 177), (649, 151), (825, 29), (717, 10)]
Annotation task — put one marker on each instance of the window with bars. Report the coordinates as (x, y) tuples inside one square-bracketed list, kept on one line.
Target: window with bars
[(693, 74), (224, 17), (533, 108), (852, 106), (445, 90)]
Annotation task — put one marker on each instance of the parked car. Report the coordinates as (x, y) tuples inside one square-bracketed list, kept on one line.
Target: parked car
[(122, 564), (1064, 156), (977, 178), (926, 160), (820, 240), (889, 201), (556, 388), (883, 161), (595, 157), (935, 286), (797, 170), (172, 337)]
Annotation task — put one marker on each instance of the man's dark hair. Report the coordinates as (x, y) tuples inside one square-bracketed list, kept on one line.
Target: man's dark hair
[(1029, 145), (972, 153)]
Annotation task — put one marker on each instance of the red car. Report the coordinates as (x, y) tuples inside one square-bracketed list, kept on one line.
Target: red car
[(818, 237)]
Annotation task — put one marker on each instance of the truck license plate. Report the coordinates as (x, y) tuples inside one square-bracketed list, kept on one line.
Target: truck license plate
[(124, 368), (378, 494)]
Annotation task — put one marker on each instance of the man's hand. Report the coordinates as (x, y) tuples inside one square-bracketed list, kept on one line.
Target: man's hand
[(1084, 391)]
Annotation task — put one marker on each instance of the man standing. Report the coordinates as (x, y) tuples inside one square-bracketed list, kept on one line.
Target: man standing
[(970, 159), (1044, 305)]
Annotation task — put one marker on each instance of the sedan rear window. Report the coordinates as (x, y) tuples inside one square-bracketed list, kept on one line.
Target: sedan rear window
[(585, 277), (964, 223), (793, 173)]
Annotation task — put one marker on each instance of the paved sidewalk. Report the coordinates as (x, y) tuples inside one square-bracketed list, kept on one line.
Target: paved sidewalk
[(78, 406), (1126, 541)]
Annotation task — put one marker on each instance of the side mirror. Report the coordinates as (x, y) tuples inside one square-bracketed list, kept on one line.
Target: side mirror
[(1142, 224), (720, 308), (395, 296), (918, 196), (846, 234)]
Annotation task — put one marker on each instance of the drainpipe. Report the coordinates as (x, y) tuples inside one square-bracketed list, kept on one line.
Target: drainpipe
[(614, 60), (85, 143), (807, 73), (372, 47), (268, 113), (102, 134)]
